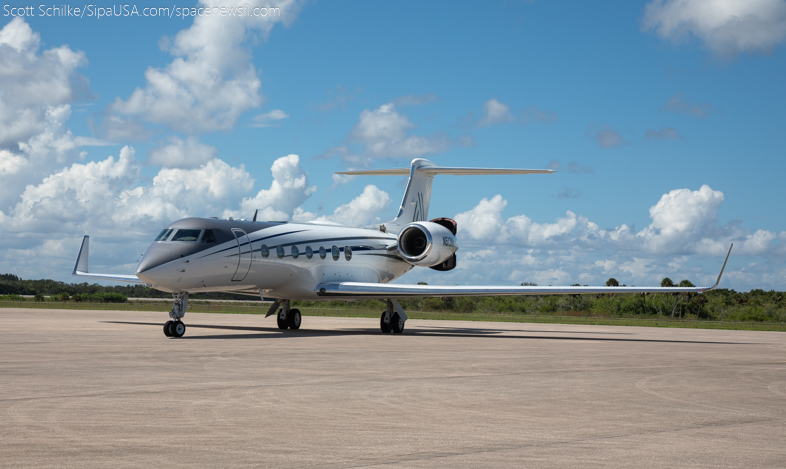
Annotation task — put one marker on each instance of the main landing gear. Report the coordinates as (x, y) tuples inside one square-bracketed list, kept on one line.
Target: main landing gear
[(175, 327), (286, 318), (393, 318)]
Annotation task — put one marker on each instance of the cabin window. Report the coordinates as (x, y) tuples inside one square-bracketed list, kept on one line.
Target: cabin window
[(322, 253), (295, 252), (186, 235), (264, 251), (347, 252), (334, 251), (279, 252), (309, 252), (209, 237), (164, 234)]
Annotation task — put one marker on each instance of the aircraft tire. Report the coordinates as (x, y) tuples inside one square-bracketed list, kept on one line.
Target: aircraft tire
[(383, 325), (177, 329), (294, 318), (282, 323), (166, 328), (397, 324)]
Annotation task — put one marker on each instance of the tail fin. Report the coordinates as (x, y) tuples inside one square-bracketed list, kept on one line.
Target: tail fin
[(414, 205)]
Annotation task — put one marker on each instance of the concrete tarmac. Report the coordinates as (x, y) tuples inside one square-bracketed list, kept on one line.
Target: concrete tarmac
[(108, 389)]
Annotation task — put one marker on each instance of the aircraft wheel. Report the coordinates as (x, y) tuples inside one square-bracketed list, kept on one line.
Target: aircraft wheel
[(282, 322), (294, 319), (383, 325), (166, 328), (397, 324), (177, 329)]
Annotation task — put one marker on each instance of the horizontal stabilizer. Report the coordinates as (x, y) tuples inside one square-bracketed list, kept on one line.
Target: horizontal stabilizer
[(417, 197), (433, 171)]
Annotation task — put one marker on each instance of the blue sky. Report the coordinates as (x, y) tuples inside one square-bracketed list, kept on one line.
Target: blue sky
[(640, 105)]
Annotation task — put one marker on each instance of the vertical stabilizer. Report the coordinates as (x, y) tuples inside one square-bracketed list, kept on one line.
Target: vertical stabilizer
[(414, 205)]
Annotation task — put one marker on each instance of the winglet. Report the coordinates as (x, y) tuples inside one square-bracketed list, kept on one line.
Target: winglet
[(721, 272), (80, 267), (81, 259), (255, 214)]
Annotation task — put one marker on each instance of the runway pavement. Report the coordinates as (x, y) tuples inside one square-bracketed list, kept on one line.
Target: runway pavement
[(108, 389)]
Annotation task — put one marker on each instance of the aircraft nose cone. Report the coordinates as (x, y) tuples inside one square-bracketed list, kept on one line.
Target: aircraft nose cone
[(151, 261), (155, 256)]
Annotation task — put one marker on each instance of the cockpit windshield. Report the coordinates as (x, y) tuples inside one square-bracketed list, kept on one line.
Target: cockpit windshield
[(209, 237), (186, 235), (164, 234)]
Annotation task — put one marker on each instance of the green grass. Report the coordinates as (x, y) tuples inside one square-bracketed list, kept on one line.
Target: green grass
[(251, 308)]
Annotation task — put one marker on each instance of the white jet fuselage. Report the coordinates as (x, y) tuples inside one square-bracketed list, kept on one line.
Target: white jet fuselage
[(280, 260)]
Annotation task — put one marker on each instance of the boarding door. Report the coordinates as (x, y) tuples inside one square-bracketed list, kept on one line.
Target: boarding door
[(244, 261)]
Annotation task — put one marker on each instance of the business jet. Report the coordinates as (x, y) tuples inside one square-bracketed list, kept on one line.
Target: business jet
[(321, 260)]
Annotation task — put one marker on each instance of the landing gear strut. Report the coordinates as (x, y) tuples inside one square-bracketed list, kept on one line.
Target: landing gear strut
[(175, 327), (286, 318), (393, 318)]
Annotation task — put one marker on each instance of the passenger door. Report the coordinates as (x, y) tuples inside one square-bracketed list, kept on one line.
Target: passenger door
[(244, 261)]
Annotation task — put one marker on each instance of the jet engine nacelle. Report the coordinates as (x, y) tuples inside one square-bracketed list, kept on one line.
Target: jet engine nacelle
[(426, 244)]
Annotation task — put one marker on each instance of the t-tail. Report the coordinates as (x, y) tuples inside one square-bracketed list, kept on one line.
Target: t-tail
[(414, 205)]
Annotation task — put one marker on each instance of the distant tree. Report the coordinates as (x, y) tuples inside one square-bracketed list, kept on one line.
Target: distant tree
[(612, 282), (528, 284), (666, 282), (422, 283), (686, 297)]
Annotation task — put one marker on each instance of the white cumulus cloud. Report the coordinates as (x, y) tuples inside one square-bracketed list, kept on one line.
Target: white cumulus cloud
[(287, 192), (37, 91), (179, 153), (385, 133), (727, 27), (494, 112), (363, 209), (211, 80)]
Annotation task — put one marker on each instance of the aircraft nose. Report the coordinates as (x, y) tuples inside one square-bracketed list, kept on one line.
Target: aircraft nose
[(151, 260)]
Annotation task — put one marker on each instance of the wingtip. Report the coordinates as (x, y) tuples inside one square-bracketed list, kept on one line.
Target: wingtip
[(720, 275)]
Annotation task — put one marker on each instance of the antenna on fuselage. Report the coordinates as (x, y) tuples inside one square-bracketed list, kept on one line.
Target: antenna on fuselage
[(255, 215)]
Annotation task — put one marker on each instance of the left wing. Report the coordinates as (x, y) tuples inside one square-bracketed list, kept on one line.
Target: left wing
[(81, 270), (391, 290)]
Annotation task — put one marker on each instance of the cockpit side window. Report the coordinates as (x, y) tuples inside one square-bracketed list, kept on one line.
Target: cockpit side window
[(164, 235), (209, 237), (186, 235)]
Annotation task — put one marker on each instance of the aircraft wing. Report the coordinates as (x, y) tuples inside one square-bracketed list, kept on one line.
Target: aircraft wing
[(81, 270), (392, 290)]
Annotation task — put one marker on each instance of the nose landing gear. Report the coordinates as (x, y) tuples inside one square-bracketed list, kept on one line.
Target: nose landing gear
[(175, 327)]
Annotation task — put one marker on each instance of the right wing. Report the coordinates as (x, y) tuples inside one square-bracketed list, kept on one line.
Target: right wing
[(81, 270), (392, 290)]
